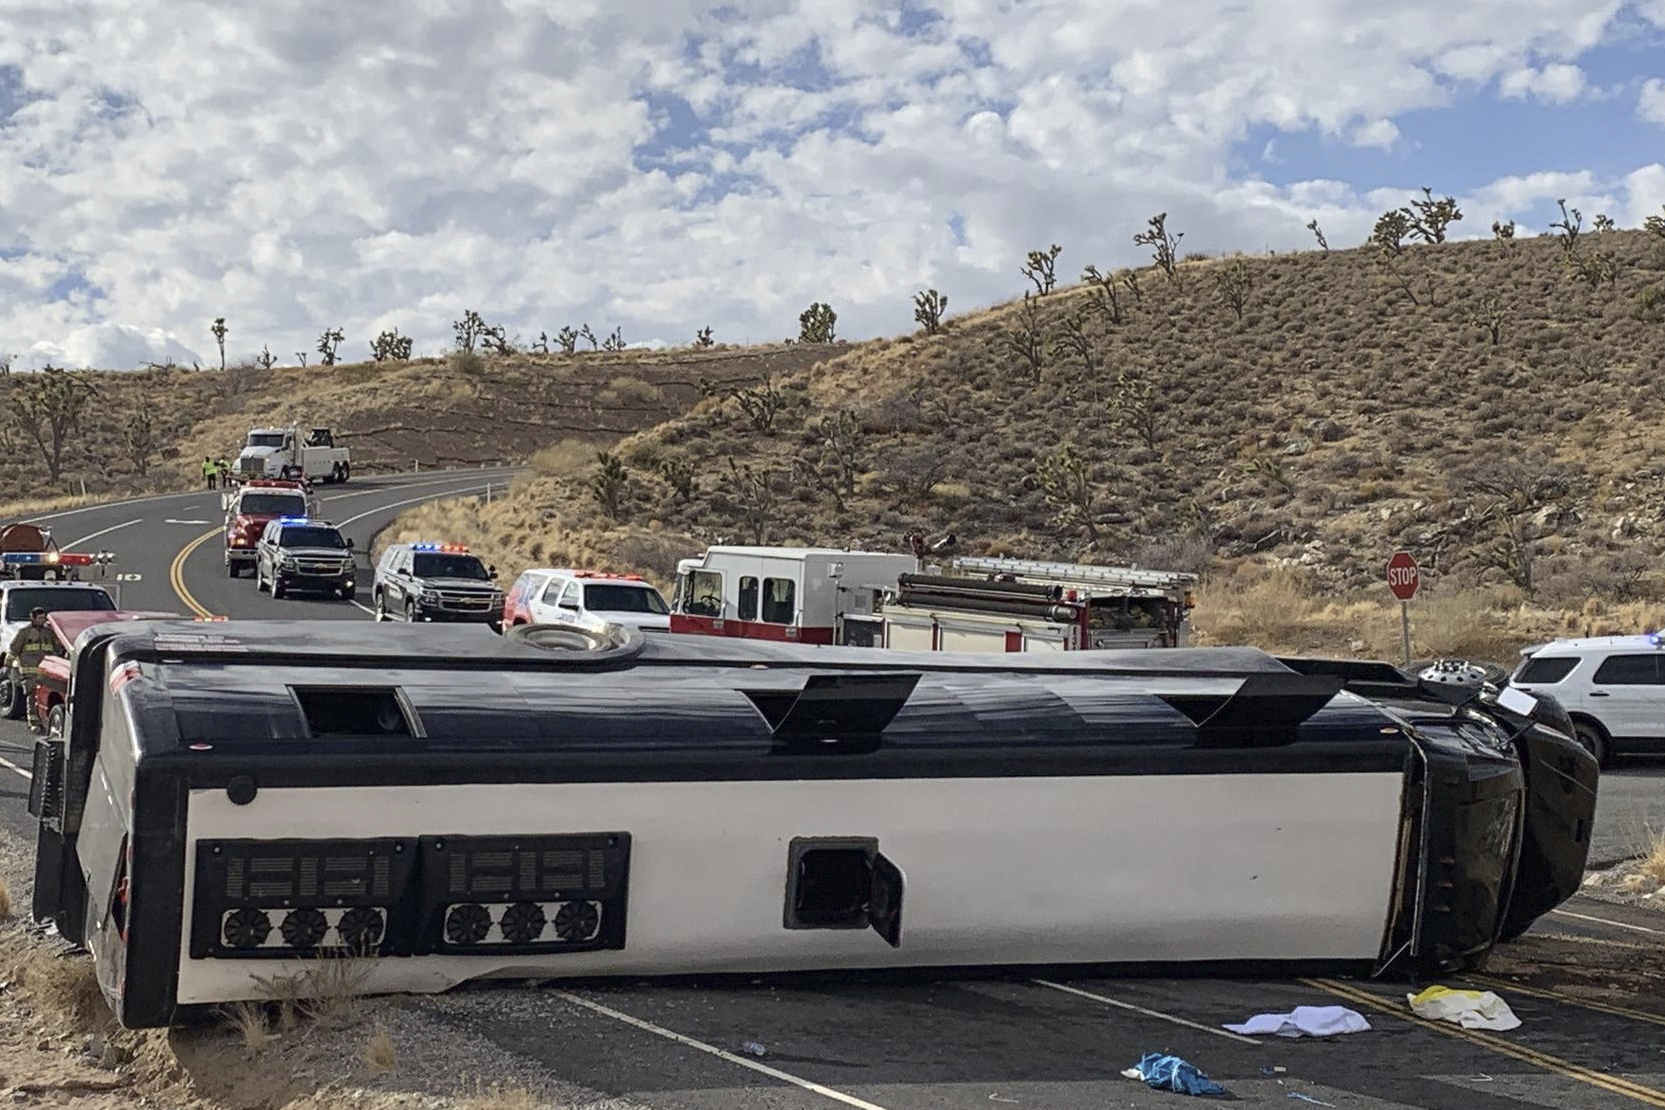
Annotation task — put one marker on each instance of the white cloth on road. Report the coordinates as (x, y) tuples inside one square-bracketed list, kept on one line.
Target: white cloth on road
[(1305, 1021)]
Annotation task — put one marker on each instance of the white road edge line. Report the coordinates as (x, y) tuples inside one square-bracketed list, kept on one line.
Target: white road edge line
[(73, 544), (4, 762), (764, 1069), (413, 501), (1605, 921), (361, 605), (1226, 1033)]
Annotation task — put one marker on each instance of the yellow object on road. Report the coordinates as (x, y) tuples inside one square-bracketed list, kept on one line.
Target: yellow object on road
[(1470, 1009)]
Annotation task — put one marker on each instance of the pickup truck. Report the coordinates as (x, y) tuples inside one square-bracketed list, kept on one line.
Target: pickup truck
[(251, 508)]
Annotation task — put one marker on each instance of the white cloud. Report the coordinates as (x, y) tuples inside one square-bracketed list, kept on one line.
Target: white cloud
[(1380, 133), (110, 347), (663, 165), (1559, 83), (1651, 104)]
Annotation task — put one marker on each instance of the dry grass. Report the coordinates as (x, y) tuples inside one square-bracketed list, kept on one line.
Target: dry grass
[(505, 1097), (380, 1055), (1648, 872), (329, 991), (5, 900), (249, 1021)]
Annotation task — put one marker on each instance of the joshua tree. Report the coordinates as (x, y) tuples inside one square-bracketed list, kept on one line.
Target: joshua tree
[(390, 346), (1491, 316), (610, 484), (138, 439), (1164, 247), (1234, 279), (1312, 226), (1039, 269), (1074, 339), (615, 341), (1133, 405), (567, 340), (1028, 339), (1388, 236), (47, 409), (928, 308), (266, 359), (1429, 217), (1503, 230), (816, 324), (1066, 482), (327, 344), (1603, 222), (219, 329), (1568, 227), (702, 338), (1103, 295)]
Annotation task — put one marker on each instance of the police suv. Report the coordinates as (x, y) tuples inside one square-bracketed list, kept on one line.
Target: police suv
[(435, 582), (295, 553)]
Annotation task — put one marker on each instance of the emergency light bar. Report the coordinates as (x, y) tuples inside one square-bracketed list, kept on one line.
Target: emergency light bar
[(48, 558), (606, 574), (447, 548), (294, 520)]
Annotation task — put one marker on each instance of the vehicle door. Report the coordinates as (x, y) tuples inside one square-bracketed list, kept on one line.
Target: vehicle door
[(542, 599), (1627, 694)]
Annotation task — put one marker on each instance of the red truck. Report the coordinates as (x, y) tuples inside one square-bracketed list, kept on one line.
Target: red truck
[(255, 504), (52, 691)]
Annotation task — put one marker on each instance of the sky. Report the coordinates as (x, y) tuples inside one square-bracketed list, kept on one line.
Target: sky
[(660, 166)]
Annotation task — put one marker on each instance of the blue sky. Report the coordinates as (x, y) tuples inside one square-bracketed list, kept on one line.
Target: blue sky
[(664, 165)]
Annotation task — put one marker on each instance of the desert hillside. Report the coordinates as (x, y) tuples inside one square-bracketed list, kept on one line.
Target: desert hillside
[(145, 431), (1286, 422)]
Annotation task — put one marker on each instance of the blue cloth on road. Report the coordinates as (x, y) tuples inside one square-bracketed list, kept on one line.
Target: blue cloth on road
[(1169, 1073)]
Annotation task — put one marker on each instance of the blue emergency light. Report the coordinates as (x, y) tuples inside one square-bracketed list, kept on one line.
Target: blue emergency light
[(448, 548), (294, 520)]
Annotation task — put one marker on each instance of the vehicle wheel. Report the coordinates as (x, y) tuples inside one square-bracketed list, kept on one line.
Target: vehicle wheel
[(410, 612), (381, 606), (1595, 740), (348, 591), (346, 472), (278, 589), (232, 570), (12, 705), (259, 578), (55, 720)]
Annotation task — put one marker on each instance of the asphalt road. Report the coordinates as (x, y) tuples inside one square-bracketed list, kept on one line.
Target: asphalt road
[(1021, 1040)]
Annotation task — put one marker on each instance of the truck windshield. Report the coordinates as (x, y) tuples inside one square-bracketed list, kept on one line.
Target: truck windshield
[(272, 504), (265, 439), (19, 602), (449, 566), (624, 599), (312, 537)]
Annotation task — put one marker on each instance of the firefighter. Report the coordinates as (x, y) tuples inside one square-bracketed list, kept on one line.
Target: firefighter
[(33, 642)]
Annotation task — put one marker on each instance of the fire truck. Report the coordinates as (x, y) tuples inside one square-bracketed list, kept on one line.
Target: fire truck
[(29, 553), (257, 503), (874, 599)]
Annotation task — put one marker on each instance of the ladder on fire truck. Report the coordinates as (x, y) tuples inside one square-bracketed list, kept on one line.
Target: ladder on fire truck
[(1129, 577)]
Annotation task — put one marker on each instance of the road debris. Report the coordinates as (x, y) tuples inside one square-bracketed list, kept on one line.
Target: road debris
[(1470, 1009), (1162, 1072), (1305, 1021)]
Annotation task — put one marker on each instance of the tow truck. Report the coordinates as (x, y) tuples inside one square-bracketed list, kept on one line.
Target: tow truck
[(286, 453), (29, 553), (248, 511), (889, 600)]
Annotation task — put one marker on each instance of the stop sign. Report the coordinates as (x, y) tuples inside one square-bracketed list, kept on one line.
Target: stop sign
[(1403, 576)]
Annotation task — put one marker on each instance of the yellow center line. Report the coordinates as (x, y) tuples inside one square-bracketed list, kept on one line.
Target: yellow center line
[(1566, 1068), (176, 574), (1490, 983)]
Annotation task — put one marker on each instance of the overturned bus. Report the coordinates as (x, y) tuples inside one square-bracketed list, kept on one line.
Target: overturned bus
[(230, 802)]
